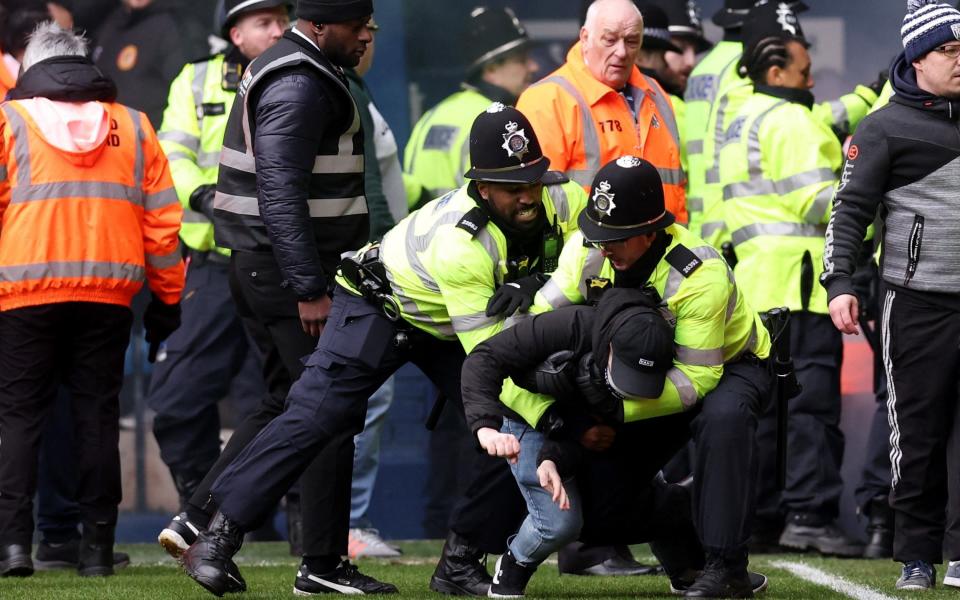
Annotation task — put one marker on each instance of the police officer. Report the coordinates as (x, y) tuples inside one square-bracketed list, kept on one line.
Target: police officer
[(628, 239), (499, 69), (440, 282), (779, 167), (210, 353)]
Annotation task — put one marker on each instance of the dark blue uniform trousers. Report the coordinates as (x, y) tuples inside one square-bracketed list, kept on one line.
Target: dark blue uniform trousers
[(206, 358), (356, 353)]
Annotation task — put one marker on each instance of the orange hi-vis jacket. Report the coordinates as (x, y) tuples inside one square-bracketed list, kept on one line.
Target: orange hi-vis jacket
[(582, 124), (86, 226)]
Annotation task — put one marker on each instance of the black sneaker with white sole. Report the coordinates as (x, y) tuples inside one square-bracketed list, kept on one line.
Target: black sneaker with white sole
[(178, 535), (345, 579), (510, 578)]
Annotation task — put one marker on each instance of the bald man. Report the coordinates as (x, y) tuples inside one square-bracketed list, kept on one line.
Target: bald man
[(598, 106)]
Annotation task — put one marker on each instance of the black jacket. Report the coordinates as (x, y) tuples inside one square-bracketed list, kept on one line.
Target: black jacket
[(65, 79), (903, 166), (299, 116)]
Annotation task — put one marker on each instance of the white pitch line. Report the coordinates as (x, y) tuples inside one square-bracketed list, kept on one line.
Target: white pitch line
[(834, 582)]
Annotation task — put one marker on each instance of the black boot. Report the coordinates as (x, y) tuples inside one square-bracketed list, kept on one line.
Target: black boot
[(510, 577), (722, 577), (807, 531), (461, 570), (209, 561), (879, 528), (15, 561), (96, 551)]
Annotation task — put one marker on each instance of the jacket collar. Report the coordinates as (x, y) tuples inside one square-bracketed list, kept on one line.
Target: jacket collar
[(592, 89), (903, 77), (494, 93), (801, 97), (66, 79)]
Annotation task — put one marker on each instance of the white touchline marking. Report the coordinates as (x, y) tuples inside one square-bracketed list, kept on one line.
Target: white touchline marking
[(834, 582)]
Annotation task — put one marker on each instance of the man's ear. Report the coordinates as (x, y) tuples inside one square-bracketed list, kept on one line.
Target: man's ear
[(483, 188)]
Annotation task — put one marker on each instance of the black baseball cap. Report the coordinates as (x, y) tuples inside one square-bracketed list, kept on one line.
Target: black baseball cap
[(734, 12), (504, 148), (626, 199), (641, 353)]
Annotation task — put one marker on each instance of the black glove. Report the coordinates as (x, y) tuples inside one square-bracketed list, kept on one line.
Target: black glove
[(515, 295), (877, 85), (201, 200), (159, 321), (593, 387)]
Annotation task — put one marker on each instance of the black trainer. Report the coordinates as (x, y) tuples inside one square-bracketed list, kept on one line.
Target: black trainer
[(15, 561), (95, 557), (178, 535), (721, 579), (66, 555), (209, 560), (462, 569), (805, 532), (879, 529), (345, 579), (679, 585), (510, 578)]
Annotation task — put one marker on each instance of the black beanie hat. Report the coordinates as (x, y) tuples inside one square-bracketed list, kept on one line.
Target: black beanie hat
[(333, 11)]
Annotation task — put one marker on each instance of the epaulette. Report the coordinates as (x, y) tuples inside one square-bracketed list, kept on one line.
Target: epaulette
[(204, 59), (474, 221), (683, 260), (554, 178)]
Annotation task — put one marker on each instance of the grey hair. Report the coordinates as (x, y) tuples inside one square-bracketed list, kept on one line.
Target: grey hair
[(49, 40)]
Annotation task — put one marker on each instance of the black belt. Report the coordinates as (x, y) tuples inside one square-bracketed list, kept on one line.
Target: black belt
[(200, 257)]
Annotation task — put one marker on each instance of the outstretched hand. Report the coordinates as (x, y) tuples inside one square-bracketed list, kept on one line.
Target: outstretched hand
[(504, 445), (550, 480)]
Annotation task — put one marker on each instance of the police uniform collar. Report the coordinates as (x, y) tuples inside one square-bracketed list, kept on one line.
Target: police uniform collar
[(642, 270), (796, 96), (588, 85), (234, 56), (493, 93)]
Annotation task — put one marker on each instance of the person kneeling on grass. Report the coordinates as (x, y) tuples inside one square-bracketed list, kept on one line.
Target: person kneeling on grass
[(585, 474)]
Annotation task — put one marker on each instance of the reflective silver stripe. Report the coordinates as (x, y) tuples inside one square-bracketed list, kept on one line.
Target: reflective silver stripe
[(665, 109), (199, 77), (464, 161), (188, 141), (206, 160), (712, 176), (437, 192), (76, 189), (237, 160), (759, 186), (819, 207), (138, 155), (415, 244), (158, 261), (694, 147), (675, 277), (160, 199), (591, 138), (592, 264), (749, 232), (672, 176), (732, 303), (413, 312), (192, 216), (688, 393), (490, 245), (561, 204), (21, 146), (708, 357), (59, 270), (319, 207), (345, 144), (582, 176), (342, 163), (473, 322), (841, 119), (710, 228), (179, 156), (694, 204), (553, 295)]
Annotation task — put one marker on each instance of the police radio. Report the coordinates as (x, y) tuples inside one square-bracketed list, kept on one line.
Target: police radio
[(552, 247)]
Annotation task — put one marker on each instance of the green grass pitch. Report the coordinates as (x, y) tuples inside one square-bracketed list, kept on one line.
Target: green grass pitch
[(269, 572)]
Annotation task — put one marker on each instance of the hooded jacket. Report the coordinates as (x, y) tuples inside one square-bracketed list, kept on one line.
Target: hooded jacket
[(903, 164), (87, 207)]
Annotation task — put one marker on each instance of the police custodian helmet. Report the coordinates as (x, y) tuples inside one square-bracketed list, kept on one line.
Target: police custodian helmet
[(734, 12), (493, 33), (504, 148), (626, 199), (233, 9)]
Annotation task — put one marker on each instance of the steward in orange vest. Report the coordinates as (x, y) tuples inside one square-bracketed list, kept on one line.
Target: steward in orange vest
[(87, 212), (598, 106)]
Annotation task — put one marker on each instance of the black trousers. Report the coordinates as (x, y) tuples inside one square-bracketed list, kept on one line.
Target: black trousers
[(268, 310), (207, 359), (921, 353), (813, 483), (357, 352), (81, 346)]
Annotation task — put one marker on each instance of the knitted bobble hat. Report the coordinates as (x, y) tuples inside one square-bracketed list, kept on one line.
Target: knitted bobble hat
[(928, 25)]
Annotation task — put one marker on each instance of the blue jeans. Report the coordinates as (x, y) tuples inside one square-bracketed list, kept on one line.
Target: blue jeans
[(366, 458), (546, 528)]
